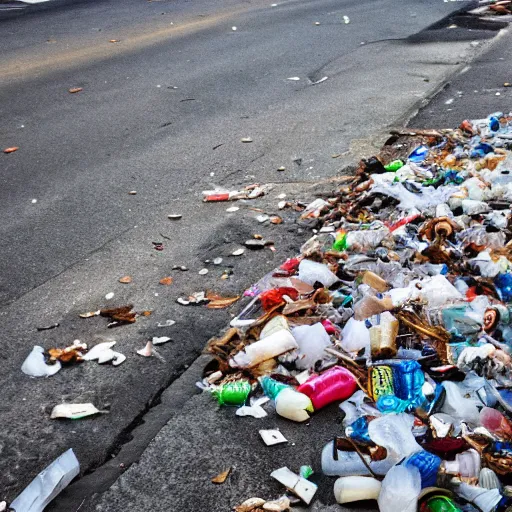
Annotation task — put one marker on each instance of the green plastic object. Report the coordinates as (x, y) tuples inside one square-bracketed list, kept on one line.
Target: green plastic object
[(440, 504), (272, 387), (305, 471), (340, 243), (233, 393), (394, 165)]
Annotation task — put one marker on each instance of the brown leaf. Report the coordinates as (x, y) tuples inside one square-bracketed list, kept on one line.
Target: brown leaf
[(73, 90), (11, 150), (221, 477), (114, 41), (166, 281), (121, 310), (222, 302), (145, 313), (275, 219), (125, 280)]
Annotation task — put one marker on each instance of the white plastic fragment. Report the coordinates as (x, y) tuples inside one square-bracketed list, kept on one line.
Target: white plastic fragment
[(255, 410), (118, 358), (158, 340), (232, 209), (96, 351), (294, 78), (203, 272), (73, 411), (303, 488), (35, 365), (167, 323), (147, 351), (48, 484), (109, 296), (346, 20), (238, 252), (106, 356), (272, 437)]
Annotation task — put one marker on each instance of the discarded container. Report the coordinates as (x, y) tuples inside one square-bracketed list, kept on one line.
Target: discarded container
[(331, 386), (356, 488), (233, 393)]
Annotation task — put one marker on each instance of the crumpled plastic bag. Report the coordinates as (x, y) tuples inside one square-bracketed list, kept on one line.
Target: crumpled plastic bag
[(312, 340), (430, 196), (356, 336), (400, 490)]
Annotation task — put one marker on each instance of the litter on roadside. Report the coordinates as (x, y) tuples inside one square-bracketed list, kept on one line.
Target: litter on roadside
[(48, 484), (399, 309)]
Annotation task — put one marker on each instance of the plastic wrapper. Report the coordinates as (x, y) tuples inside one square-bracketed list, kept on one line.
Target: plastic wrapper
[(460, 408), (48, 484)]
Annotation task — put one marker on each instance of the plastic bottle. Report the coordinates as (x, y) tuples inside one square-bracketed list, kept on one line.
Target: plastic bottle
[(290, 404), (496, 423), (262, 350), (428, 466), (335, 384), (356, 488), (344, 463)]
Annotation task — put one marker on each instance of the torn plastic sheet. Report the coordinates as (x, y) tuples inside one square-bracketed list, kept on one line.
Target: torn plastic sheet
[(48, 484), (255, 410)]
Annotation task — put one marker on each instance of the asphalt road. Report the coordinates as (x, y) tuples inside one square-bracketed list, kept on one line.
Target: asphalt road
[(162, 111)]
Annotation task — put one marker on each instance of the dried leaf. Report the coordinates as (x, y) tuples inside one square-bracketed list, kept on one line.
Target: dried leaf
[(11, 150), (221, 477), (74, 90), (125, 280), (166, 281), (114, 41), (275, 219), (221, 303), (145, 313)]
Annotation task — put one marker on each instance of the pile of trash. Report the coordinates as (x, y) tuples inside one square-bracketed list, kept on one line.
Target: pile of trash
[(399, 308)]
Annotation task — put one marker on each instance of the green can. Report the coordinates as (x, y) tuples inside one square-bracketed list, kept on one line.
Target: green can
[(233, 393)]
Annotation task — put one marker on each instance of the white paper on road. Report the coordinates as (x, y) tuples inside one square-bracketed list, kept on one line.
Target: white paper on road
[(48, 484)]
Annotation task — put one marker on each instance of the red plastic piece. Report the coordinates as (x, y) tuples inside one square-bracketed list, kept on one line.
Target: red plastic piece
[(216, 197), (336, 384), (290, 265), (273, 297)]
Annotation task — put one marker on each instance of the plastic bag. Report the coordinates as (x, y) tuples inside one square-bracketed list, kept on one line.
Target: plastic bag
[(400, 490), (394, 432), (356, 336), (312, 340), (310, 272)]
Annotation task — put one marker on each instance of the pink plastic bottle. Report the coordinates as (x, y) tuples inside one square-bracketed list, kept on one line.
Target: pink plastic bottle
[(335, 384), (495, 422)]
